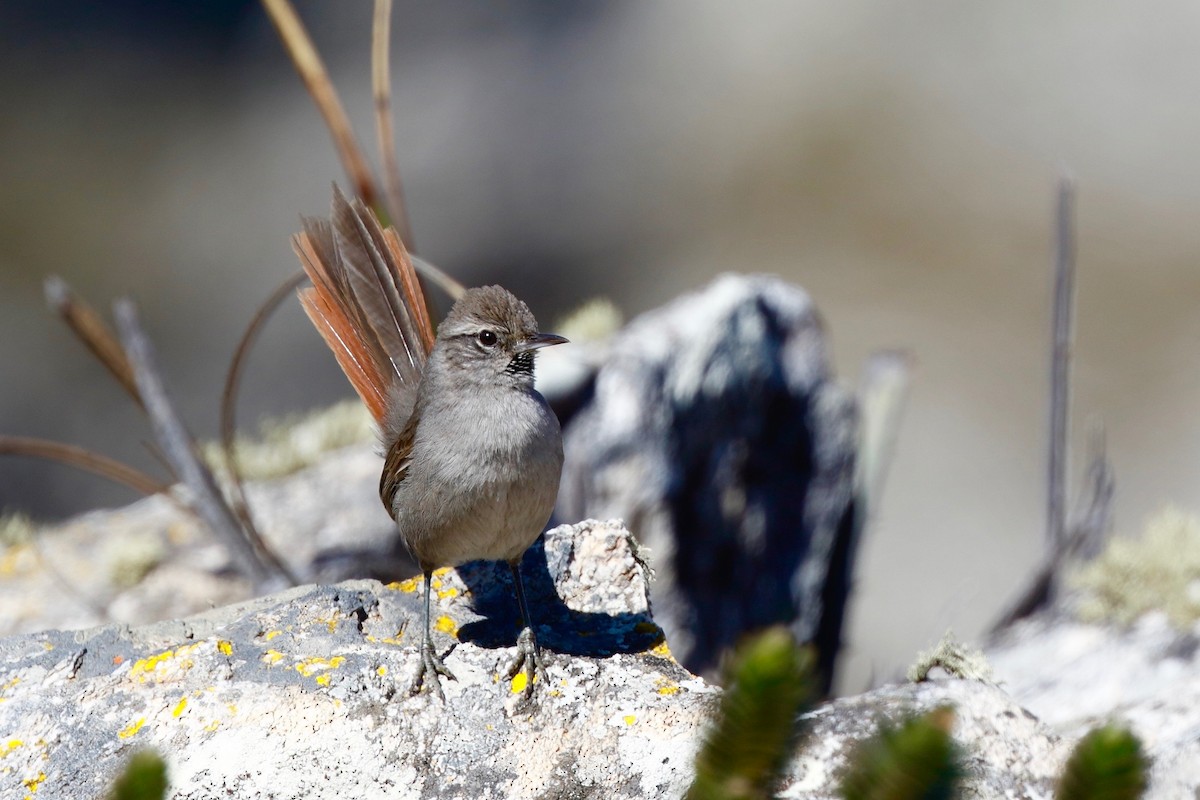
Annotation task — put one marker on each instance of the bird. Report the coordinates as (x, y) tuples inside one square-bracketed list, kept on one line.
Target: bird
[(472, 451)]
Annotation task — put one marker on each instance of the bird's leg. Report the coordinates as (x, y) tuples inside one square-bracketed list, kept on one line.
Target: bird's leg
[(431, 666), (529, 656)]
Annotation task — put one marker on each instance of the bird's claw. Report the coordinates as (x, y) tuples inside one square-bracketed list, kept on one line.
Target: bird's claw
[(528, 660), (428, 672)]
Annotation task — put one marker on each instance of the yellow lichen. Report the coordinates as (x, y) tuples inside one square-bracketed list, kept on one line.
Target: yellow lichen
[(4, 687), (519, 682), (33, 784), (410, 585), (132, 728), (272, 657), (159, 665), (662, 650), (309, 666), (446, 625), (179, 707), (224, 648)]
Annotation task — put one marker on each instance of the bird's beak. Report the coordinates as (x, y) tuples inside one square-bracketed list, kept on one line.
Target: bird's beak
[(539, 341)]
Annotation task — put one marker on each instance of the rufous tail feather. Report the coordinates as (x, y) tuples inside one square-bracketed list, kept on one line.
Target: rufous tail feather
[(367, 304)]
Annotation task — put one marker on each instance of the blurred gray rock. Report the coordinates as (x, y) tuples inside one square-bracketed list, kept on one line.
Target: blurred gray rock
[(153, 560), (715, 431), (1008, 752), (1076, 676)]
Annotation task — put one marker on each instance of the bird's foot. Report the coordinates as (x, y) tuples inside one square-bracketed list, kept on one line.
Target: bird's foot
[(428, 672), (528, 662)]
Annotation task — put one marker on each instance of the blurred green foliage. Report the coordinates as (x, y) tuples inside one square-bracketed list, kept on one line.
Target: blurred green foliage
[(1107, 764), (145, 778), (769, 683), (917, 760)]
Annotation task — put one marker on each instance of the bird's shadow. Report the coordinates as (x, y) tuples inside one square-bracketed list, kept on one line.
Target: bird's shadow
[(559, 628)]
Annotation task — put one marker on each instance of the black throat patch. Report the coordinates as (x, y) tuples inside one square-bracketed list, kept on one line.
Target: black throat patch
[(521, 364)]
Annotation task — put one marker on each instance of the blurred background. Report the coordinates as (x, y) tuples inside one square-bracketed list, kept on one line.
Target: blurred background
[(896, 160)]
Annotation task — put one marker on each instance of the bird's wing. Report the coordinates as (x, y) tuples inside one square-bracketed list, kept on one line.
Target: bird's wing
[(395, 464)]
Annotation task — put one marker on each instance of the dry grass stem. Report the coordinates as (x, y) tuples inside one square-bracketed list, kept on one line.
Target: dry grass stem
[(316, 78), (84, 459), (91, 329), (381, 85)]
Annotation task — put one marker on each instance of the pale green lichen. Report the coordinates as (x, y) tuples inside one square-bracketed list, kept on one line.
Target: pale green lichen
[(954, 657), (594, 321), (15, 529), (290, 443), (1158, 571), (132, 557)]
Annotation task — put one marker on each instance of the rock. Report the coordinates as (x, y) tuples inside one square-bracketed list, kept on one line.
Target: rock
[(1008, 752), (330, 507), (1076, 676), (304, 694), (715, 431)]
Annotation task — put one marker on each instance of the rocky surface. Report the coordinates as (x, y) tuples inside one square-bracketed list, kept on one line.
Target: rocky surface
[(305, 694), (1075, 676), (152, 560), (716, 432)]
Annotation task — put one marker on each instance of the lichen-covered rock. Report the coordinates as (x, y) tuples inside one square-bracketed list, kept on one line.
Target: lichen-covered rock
[(305, 694)]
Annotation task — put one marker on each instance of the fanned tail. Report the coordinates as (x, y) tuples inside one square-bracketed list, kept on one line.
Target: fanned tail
[(368, 306)]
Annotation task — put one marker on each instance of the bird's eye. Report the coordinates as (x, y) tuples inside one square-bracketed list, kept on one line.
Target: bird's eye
[(487, 338)]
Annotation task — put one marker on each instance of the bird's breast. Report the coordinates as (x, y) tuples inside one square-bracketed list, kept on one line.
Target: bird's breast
[(483, 479)]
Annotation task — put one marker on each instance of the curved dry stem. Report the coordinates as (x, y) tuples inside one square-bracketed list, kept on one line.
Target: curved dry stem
[(82, 458), (230, 393), (316, 78)]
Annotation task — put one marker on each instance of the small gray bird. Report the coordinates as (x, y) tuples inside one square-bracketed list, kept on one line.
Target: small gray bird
[(473, 451)]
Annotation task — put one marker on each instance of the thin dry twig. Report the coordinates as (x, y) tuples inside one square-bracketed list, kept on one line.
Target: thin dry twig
[(1060, 364), (90, 327), (84, 459), (316, 78), (1063, 541), (381, 85), (230, 393), (180, 450), (1083, 540)]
